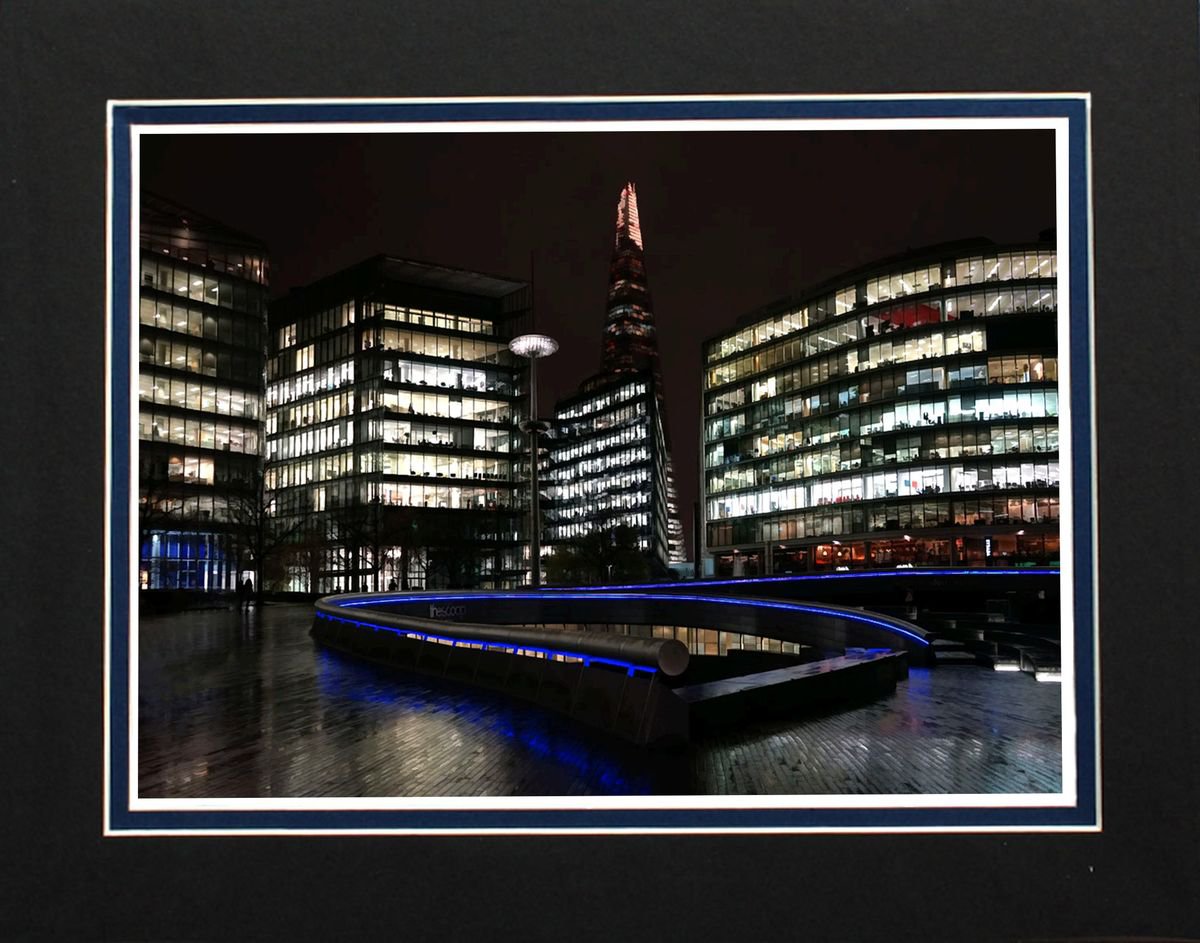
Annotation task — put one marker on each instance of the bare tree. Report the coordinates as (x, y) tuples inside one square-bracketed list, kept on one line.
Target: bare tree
[(599, 557), (259, 535)]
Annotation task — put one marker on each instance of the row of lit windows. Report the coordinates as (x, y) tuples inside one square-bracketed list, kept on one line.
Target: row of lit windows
[(435, 466), (303, 359), (204, 507), (442, 406), (302, 471), (207, 397), (1020, 548), (789, 410), (624, 286), (608, 398), (910, 482), (884, 385), (964, 335), (566, 454), (970, 271), (964, 407), (435, 319), (572, 531), (600, 422), (197, 321), (198, 433), (899, 284), (1000, 267), (851, 331), (848, 427), (194, 358), (165, 463), (633, 480), (698, 641), (606, 504), (334, 435), (320, 380), (312, 326), (814, 372), (320, 410), (445, 346), (624, 491), (839, 520), (400, 432), (847, 456), (1009, 370), (628, 316), (610, 460), (307, 572), (452, 377), (190, 469), (183, 281), (207, 251), (291, 502), (953, 341), (630, 328), (445, 496), (324, 350)]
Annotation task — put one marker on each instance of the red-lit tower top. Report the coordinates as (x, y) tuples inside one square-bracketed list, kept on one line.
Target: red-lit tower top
[(630, 341)]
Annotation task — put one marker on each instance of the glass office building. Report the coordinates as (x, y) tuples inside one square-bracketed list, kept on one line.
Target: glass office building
[(202, 309), (607, 466), (610, 458), (904, 414), (393, 406)]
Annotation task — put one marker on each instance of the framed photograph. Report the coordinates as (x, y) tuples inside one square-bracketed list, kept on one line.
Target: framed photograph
[(806, 539)]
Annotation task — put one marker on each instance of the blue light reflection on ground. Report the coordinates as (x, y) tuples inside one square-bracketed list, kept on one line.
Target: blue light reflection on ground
[(248, 705), (343, 680)]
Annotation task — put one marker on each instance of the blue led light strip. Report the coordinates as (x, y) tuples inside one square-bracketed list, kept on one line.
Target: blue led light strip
[(516, 649), (678, 597)]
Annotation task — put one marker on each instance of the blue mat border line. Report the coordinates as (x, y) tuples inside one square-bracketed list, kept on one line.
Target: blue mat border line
[(125, 116)]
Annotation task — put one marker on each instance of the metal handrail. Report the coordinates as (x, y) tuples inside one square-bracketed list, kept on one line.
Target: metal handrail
[(668, 656)]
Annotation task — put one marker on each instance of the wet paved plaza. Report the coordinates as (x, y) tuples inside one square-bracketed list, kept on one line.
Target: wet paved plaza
[(247, 705)]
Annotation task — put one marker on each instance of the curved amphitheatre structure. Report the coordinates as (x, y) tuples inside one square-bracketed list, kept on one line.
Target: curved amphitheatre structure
[(616, 659)]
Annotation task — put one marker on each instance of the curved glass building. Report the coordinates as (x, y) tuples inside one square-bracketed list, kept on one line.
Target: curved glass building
[(903, 414), (202, 302)]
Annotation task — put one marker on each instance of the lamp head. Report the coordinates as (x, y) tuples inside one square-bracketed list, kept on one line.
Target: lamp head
[(533, 346)]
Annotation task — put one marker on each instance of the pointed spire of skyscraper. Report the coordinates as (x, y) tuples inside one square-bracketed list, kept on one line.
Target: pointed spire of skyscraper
[(628, 226), (630, 341)]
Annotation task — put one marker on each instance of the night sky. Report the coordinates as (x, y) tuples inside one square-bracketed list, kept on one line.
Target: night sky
[(731, 221)]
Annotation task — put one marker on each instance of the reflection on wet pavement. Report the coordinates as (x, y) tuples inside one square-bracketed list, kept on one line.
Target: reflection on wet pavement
[(246, 705)]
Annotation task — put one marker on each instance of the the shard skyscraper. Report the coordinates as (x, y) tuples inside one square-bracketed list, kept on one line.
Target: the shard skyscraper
[(611, 460)]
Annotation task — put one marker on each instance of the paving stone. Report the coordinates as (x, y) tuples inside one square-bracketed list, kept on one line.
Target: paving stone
[(246, 705)]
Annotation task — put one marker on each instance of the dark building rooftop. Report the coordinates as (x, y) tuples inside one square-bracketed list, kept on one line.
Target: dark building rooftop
[(166, 217), (384, 269)]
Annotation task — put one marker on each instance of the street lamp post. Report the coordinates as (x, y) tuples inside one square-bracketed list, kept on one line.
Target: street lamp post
[(533, 347)]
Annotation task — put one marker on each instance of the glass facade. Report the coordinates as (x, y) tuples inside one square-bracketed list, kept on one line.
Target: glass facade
[(607, 466), (201, 322), (393, 406), (906, 416)]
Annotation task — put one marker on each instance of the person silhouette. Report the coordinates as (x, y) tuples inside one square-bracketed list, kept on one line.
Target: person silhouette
[(247, 592)]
